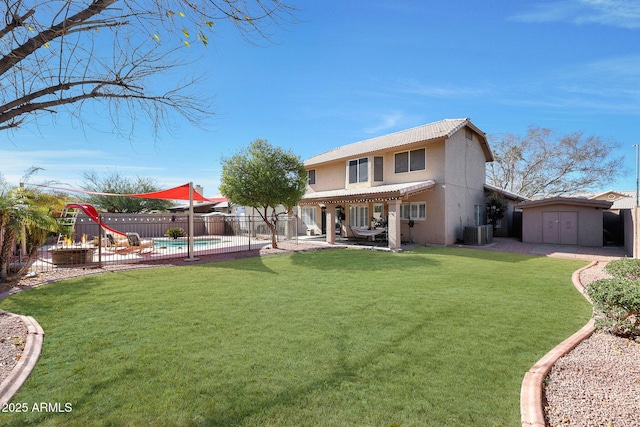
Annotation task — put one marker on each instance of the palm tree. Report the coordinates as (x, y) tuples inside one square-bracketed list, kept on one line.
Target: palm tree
[(28, 214)]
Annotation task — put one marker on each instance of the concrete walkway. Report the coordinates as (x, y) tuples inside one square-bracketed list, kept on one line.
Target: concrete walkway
[(508, 244), (505, 244)]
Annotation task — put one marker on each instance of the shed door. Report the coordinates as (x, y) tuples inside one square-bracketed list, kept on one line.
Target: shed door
[(550, 227), (568, 228), (560, 228)]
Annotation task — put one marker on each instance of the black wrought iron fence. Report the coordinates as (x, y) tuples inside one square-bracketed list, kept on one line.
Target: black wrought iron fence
[(132, 238)]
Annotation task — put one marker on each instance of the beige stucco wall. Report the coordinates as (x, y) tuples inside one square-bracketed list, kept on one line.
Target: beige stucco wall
[(457, 165), (464, 183), (589, 225), (333, 176)]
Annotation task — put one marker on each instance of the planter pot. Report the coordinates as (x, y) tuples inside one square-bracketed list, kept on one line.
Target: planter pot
[(72, 256)]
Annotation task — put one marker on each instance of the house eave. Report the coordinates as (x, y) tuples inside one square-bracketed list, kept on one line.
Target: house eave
[(380, 193)]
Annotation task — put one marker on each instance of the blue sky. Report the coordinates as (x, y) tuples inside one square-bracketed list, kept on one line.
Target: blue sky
[(352, 70)]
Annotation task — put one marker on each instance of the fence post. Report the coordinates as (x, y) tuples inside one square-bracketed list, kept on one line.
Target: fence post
[(99, 240)]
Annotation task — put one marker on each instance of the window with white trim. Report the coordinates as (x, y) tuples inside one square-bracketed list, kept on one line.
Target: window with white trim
[(359, 170), (311, 176), (378, 211), (359, 215), (409, 161), (308, 216), (414, 210)]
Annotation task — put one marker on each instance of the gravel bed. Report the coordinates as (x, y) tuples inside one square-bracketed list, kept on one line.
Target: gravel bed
[(13, 333), (598, 382)]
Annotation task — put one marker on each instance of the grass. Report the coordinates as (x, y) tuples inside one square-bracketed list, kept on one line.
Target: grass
[(432, 337)]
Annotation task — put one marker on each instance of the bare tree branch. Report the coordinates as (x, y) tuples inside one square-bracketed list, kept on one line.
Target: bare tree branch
[(540, 165), (61, 54)]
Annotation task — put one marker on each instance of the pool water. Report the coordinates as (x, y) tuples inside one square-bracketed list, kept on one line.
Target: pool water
[(184, 242)]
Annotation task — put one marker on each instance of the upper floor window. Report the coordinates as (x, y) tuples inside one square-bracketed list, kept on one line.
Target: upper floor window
[(311, 176), (409, 161), (359, 170), (378, 171)]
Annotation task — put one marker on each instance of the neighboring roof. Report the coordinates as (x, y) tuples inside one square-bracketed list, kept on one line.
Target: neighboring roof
[(573, 201), (380, 192), (610, 195), (442, 129), (200, 207), (620, 199), (505, 193)]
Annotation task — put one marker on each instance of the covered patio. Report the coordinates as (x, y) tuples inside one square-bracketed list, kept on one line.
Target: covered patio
[(374, 211)]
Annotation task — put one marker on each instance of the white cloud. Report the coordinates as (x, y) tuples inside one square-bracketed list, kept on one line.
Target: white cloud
[(385, 122), (440, 91), (613, 13)]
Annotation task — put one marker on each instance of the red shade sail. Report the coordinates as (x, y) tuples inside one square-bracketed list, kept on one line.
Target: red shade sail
[(177, 193)]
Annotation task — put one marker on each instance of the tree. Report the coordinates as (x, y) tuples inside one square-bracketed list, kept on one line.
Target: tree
[(542, 165), (263, 177), (58, 55), (496, 207), (114, 183), (28, 214)]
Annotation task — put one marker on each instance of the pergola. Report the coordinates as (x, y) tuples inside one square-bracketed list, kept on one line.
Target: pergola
[(391, 194)]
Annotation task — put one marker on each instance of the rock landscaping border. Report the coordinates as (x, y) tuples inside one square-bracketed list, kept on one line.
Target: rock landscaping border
[(531, 400), (28, 359)]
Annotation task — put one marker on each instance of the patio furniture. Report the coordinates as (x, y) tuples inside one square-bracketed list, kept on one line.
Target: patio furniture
[(117, 243), (138, 244), (364, 233)]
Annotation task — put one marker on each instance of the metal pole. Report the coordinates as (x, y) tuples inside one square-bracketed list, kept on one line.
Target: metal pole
[(191, 228), (100, 234), (637, 187)]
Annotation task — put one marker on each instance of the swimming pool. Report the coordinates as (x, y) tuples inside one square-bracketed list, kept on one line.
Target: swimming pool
[(183, 242)]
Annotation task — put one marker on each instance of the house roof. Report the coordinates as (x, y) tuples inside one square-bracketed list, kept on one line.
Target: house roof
[(620, 199), (505, 193), (380, 192), (200, 206), (573, 201), (432, 131), (610, 195)]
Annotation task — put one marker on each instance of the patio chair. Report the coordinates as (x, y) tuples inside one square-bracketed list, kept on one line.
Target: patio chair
[(117, 243), (138, 244)]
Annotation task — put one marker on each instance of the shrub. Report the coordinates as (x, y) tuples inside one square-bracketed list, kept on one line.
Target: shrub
[(616, 305), (175, 232), (626, 268)]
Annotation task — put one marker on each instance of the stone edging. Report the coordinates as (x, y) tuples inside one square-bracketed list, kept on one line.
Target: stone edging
[(32, 348), (531, 410)]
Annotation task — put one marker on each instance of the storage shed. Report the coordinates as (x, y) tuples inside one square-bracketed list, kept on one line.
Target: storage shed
[(564, 220)]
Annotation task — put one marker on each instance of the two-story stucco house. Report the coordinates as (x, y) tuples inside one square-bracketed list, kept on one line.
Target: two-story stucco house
[(431, 177)]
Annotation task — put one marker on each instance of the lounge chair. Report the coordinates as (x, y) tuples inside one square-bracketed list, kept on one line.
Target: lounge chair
[(138, 244), (117, 243)]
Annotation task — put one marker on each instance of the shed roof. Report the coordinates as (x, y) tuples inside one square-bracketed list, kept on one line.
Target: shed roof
[(442, 129), (573, 201)]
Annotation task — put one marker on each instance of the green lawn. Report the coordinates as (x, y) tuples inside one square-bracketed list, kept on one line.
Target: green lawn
[(431, 337)]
